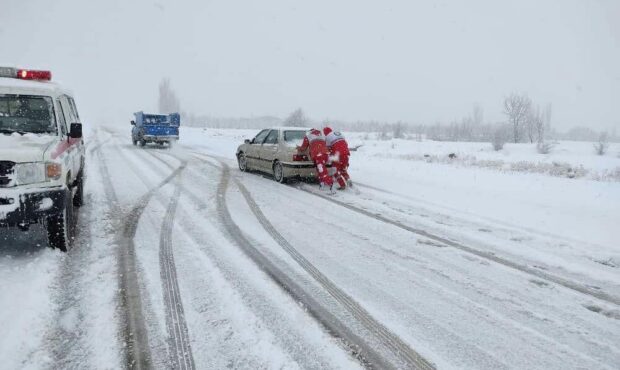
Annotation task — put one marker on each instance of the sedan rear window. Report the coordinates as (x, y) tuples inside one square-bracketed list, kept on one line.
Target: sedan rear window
[(294, 137), (26, 114)]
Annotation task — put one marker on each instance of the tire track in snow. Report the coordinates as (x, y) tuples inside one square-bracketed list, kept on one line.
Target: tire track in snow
[(180, 348), (178, 342), (401, 353), (577, 287), (400, 349), (65, 336), (502, 224), (327, 320), (134, 330)]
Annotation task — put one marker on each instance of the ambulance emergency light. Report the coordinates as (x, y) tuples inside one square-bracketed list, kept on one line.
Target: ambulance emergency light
[(25, 74)]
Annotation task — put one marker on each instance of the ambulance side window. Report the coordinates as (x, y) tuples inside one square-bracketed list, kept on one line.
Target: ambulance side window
[(73, 108), (70, 116), (61, 119)]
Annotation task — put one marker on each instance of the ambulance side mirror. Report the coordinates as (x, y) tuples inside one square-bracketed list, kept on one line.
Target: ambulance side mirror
[(75, 132)]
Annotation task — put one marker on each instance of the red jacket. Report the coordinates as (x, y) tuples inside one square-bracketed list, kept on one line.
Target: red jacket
[(335, 141), (316, 142)]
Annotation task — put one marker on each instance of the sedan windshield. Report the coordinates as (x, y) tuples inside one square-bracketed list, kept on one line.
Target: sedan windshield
[(294, 137), (26, 114)]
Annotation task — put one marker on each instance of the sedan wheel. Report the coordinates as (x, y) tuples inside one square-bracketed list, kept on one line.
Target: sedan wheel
[(243, 162), (278, 173)]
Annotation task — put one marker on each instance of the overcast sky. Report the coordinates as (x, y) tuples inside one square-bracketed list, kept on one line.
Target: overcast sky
[(416, 61)]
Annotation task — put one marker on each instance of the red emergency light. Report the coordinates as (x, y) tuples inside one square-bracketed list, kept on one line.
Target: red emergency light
[(25, 74), (29, 74)]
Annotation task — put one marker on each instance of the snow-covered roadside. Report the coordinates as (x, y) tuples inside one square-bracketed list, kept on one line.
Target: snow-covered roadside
[(26, 276), (565, 159)]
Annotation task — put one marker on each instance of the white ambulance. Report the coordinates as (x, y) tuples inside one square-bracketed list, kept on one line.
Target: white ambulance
[(42, 155)]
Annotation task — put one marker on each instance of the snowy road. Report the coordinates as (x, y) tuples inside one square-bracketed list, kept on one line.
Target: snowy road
[(182, 261)]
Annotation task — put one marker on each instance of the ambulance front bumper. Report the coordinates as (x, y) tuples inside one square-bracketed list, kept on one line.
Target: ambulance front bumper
[(30, 207)]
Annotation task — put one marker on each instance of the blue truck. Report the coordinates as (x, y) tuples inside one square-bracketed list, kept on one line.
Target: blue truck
[(155, 128)]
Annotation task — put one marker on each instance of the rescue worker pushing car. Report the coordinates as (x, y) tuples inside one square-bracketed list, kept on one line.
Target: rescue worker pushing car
[(339, 155), (315, 142)]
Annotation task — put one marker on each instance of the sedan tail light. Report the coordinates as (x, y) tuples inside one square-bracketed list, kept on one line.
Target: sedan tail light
[(300, 157)]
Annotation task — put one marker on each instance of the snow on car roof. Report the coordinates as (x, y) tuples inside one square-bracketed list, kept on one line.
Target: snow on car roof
[(17, 86), (291, 128)]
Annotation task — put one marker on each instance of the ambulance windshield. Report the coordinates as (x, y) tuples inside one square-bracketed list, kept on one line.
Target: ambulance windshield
[(26, 114)]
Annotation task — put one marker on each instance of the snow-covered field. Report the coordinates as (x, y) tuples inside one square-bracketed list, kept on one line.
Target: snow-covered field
[(479, 261)]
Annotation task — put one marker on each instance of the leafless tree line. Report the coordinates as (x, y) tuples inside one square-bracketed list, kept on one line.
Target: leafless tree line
[(526, 122)]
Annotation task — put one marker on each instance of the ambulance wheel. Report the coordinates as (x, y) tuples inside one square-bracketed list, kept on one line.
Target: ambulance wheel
[(243, 162), (278, 173), (78, 199), (60, 227)]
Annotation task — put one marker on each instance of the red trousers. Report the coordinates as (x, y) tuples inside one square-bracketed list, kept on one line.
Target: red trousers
[(341, 163), (320, 161)]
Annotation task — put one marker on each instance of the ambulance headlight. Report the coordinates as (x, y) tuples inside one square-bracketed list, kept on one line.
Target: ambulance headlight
[(29, 173)]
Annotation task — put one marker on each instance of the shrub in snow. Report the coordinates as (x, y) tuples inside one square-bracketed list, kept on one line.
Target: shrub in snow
[(543, 147), (499, 138), (601, 147)]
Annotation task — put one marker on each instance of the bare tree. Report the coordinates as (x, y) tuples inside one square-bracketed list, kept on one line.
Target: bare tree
[(603, 144), (297, 119), (168, 101), (398, 130), (547, 118), (477, 116), (516, 107), (531, 123)]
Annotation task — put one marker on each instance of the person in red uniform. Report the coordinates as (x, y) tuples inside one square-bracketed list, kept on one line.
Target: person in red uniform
[(315, 141), (339, 153)]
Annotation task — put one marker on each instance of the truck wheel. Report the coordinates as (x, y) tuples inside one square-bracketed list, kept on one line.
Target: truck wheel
[(135, 142), (142, 142), (60, 227), (243, 162), (78, 199), (278, 173)]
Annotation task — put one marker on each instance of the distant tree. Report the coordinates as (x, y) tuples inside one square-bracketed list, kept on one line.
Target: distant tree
[(477, 116), (168, 101), (398, 130), (297, 119), (547, 119), (531, 123), (517, 108), (603, 144)]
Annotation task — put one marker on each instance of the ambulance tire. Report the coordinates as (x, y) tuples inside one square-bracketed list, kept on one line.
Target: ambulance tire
[(60, 228)]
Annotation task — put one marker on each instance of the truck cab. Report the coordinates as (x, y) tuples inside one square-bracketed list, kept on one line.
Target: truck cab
[(155, 128), (42, 155)]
